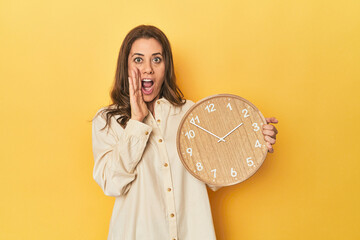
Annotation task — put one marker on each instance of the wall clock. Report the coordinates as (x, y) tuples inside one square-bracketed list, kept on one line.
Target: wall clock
[(220, 140)]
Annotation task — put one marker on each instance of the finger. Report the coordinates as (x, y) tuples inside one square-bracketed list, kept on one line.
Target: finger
[(269, 133), (131, 87), (271, 120), (270, 140), (270, 127), (133, 76), (270, 148), (139, 80)]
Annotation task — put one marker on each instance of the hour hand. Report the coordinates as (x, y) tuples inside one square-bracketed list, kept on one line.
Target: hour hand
[(220, 139), (230, 132)]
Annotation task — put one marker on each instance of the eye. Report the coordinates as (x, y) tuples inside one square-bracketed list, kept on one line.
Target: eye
[(138, 60), (157, 59)]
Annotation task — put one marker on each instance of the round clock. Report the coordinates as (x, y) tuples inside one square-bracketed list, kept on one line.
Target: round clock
[(220, 140)]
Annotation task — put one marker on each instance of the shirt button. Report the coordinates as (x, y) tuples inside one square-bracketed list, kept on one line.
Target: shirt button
[(160, 140), (169, 189), (158, 102), (165, 165), (146, 133), (172, 215), (158, 121)]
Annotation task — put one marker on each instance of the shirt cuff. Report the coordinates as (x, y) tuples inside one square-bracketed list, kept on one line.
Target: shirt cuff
[(137, 129)]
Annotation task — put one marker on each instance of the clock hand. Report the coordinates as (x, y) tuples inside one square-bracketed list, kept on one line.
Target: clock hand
[(230, 132), (220, 139)]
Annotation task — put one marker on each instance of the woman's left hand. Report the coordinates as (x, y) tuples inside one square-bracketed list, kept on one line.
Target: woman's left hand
[(270, 132)]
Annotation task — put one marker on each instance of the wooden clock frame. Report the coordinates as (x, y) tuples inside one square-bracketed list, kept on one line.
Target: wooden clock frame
[(227, 160)]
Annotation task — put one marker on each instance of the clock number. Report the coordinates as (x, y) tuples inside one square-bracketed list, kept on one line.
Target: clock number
[(229, 106), (257, 144), (193, 120), (199, 167), (256, 127), (233, 172), (246, 113), (249, 162), (210, 107), (214, 171), (189, 151), (190, 134)]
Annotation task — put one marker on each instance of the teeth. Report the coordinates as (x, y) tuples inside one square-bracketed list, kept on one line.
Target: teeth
[(146, 80)]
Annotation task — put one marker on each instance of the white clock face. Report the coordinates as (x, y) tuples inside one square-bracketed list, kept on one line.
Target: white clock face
[(220, 140)]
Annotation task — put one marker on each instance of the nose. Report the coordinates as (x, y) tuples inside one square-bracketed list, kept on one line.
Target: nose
[(147, 68)]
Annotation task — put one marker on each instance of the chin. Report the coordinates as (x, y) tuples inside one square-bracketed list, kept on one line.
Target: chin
[(149, 98)]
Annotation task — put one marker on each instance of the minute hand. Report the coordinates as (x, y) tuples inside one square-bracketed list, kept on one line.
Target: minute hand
[(230, 132), (220, 139)]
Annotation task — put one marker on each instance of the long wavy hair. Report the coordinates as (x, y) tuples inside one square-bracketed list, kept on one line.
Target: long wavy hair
[(120, 90)]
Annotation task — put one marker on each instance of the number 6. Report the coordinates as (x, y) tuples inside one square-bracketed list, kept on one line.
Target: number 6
[(233, 172)]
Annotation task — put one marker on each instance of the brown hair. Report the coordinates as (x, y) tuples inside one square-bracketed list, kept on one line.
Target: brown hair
[(120, 90)]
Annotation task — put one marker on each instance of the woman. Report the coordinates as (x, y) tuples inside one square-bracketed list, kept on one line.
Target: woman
[(134, 147)]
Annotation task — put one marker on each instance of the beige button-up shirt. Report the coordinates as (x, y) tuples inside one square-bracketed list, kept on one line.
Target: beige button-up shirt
[(156, 198)]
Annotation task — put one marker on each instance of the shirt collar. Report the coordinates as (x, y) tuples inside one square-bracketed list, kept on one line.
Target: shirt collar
[(173, 109)]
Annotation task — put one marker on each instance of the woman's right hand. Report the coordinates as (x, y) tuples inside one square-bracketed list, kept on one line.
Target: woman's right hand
[(139, 109)]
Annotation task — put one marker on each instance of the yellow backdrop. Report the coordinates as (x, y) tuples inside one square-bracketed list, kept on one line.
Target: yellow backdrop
[(296, 60)]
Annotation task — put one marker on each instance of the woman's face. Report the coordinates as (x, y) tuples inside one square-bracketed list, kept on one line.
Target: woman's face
[(147, 56)]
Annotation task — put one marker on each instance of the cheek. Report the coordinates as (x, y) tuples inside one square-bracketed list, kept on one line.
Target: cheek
[(162, 72), (129, 68), (131, 65)]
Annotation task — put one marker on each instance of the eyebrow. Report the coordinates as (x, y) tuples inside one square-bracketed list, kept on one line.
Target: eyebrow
[(144, 55)]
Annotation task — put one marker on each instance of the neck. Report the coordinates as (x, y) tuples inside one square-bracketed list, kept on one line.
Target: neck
[(151, 105)]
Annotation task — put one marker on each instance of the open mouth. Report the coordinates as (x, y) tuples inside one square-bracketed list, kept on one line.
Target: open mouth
[(147, 86)]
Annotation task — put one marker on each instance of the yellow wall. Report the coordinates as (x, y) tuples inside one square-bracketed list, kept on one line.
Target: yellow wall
[(296, 60)]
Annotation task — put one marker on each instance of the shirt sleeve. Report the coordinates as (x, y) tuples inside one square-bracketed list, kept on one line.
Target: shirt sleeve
[(117, 155)]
